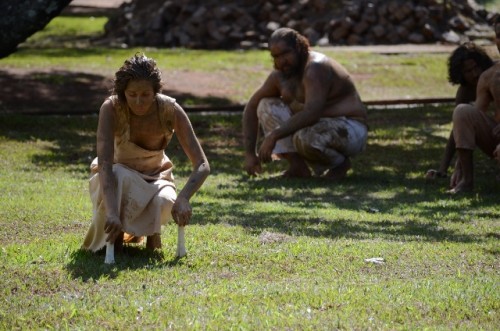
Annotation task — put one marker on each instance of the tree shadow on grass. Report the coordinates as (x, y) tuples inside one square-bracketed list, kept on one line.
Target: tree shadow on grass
[(61, 94), (415, 228), (52, 92), (406, 208), (383, 181), (388, 180), (67, 92)]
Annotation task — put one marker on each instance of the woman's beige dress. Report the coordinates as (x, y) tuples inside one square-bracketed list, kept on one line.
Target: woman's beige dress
[(144, 181)]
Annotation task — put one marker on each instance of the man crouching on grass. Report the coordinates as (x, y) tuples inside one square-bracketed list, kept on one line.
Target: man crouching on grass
[(477, 125), (309, 110)]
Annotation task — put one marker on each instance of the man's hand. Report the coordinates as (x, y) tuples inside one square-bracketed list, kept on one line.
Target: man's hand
[(182, 211), (456, 177), (113, 228), (252, 165), (266, 149), (496, 153)]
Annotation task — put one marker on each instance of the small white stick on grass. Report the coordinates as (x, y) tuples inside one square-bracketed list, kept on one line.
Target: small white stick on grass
[(181, 244), (110, 253)]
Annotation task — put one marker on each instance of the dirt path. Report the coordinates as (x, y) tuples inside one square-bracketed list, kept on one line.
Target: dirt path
[(97, 3)]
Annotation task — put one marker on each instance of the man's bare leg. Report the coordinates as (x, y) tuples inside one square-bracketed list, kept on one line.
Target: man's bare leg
[(465, 182), (340, 171), (298, 167)]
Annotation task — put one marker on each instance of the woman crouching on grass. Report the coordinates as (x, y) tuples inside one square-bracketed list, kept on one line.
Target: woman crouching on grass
[(132, 186)]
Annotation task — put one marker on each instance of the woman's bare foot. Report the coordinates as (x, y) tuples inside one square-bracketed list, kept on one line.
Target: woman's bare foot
[(131, 239), (340, 171), (153, 242)]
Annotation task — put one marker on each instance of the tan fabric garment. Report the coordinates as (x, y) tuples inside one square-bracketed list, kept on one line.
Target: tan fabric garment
[(144, 179), (473, 128)]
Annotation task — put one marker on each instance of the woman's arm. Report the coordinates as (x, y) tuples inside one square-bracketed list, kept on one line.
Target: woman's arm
[(181, 210), (105, 153)]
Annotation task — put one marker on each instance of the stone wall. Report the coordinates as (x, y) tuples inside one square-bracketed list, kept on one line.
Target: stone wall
[(216, 24)]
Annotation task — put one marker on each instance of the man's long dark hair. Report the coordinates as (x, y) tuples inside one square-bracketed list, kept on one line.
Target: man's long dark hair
[(466, 51), (296, 41)]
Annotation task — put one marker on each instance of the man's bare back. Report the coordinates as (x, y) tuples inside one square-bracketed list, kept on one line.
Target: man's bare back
[(488, 91)]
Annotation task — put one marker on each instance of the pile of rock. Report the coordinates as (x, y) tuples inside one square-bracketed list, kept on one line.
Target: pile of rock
[(217, 24), (419, 21)]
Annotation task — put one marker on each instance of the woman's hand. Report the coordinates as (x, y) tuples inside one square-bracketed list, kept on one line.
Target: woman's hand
[(182, 211), (113, 228), (456, 177)]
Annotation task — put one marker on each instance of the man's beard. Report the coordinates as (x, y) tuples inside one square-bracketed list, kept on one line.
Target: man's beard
[(294, 71)]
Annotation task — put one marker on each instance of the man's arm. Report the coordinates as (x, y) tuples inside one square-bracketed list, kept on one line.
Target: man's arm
[(483, 94), (316, 85), (495, 92), (488, 92), (269, 89)]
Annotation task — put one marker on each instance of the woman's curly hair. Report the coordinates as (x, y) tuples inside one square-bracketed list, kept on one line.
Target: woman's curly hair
[(293, 39), (138, 67), (466, 51)]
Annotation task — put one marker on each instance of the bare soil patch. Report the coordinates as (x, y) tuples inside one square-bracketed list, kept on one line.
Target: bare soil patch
[(54, 90)]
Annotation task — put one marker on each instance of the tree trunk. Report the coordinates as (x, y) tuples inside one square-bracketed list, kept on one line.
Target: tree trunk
[(22, 18)]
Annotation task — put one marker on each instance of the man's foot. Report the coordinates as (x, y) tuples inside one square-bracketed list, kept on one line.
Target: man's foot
[(340, 171), (434, 174), (298, 167), (153, 242)]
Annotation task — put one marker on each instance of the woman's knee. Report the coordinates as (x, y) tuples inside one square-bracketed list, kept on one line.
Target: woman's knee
[(120, 172), (167, 196)]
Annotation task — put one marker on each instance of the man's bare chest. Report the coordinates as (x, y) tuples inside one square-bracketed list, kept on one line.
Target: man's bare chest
[(292, 90)]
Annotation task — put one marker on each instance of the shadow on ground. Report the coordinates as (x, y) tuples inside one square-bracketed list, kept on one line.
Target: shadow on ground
[(87, 266), (68, 92)]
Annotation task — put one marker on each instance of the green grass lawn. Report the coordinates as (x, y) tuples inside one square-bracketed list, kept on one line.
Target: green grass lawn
[(263, 253)]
